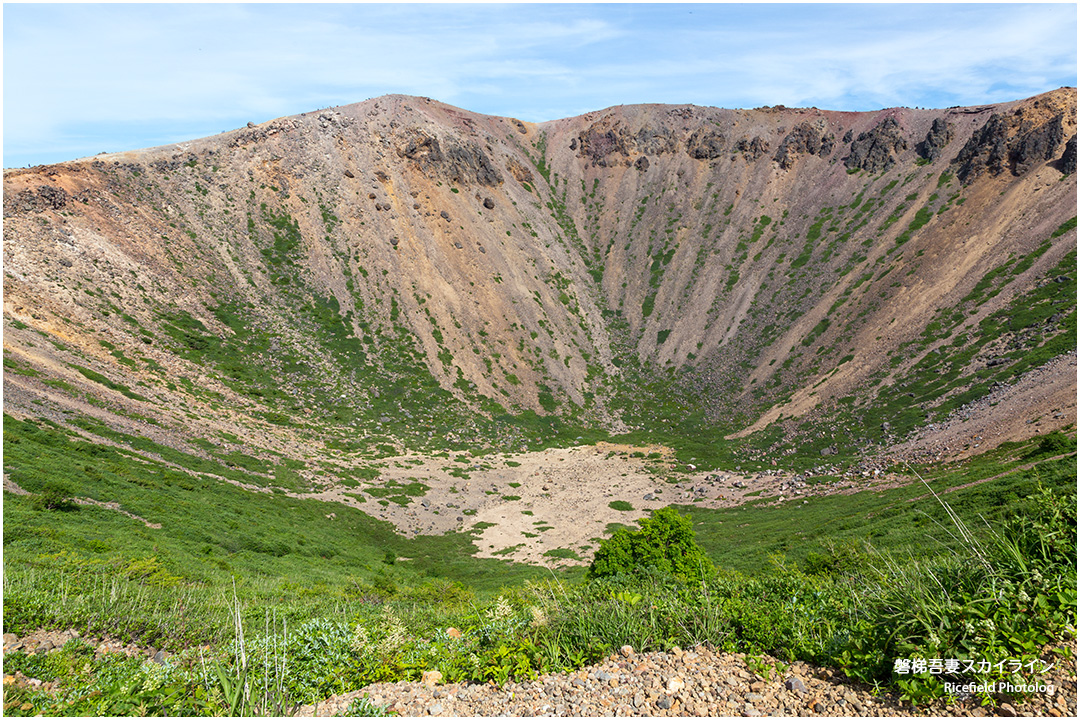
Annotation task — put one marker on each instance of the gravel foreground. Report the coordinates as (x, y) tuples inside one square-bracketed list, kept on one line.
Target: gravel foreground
[(697, 683)]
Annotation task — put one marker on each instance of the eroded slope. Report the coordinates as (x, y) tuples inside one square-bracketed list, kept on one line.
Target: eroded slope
[(400, 273)]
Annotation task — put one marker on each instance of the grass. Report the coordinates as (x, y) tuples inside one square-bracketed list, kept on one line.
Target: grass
[(101, 379), (825, 606), (897, 519), (256, 538)]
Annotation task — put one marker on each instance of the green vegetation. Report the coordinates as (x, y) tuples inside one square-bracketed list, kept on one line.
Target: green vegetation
[(792, 582), (665, 543), (101, 379)]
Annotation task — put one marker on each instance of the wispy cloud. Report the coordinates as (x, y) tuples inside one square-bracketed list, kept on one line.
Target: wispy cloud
[(79, 79)]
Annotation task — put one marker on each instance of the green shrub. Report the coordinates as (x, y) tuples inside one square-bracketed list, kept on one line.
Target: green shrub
[(1056, 443), (55, 496), (665, 543)]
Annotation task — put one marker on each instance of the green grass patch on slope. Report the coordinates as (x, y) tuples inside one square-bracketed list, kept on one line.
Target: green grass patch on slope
[(845, 582)]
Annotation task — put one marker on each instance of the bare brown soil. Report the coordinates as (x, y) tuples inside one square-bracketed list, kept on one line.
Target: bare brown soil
[(561, 498)]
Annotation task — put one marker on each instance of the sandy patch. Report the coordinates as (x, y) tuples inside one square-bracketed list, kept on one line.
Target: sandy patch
[(522, 506)]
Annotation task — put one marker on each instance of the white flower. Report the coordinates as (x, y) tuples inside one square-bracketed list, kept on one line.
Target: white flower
[(501, 611), (360, 639), (539, 616), (154, 676), (396, 633)]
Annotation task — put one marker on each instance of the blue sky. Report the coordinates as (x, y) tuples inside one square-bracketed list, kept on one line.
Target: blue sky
[(83, 79)]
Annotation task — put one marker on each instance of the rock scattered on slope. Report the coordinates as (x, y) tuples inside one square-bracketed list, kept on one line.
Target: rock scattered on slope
[(698, 682)]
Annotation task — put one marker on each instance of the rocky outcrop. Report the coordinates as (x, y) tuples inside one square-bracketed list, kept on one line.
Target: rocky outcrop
[(1067, 162), (1012, 143), (605, 139), (752, 150), (256, 134), (458, 162), (46, 197), (518, 171), (422, 148), (1036, 146), (655, 141), (875, 150), (470, 161), (987, 150), (805, 139), (602, 140), (940, 135), (705, 144)]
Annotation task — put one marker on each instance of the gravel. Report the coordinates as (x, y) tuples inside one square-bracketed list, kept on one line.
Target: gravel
[(697, 682)]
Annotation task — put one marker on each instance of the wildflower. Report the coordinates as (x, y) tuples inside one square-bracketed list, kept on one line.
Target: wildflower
[(154, 676), (501, 611), (1023, 597), (360, 640), (539, 617), (396, 633)]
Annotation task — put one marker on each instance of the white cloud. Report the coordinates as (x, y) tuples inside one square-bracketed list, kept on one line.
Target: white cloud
[(75, 70)]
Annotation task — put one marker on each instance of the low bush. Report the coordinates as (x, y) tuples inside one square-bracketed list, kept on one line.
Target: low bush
[(665, 542)]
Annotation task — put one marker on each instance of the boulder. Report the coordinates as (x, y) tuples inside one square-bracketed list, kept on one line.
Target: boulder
[(795, 684)]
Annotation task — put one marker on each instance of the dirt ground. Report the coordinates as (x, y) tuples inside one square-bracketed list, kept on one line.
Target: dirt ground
[(526, 505), (522, 506)]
